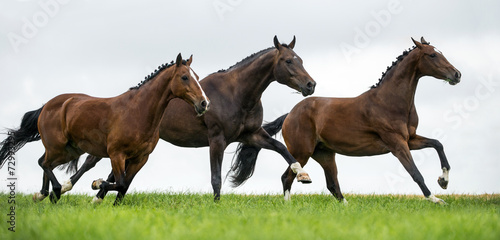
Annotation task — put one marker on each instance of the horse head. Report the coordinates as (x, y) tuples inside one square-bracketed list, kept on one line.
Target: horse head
[(185, 85), (288, 69), (433, 63)]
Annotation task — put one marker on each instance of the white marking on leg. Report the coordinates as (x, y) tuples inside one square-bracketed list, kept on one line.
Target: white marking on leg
[(96, 200), (434, 199), (344, 201), (445, 174), (296, 168), (37, 197), (67, 186), (287, 195)]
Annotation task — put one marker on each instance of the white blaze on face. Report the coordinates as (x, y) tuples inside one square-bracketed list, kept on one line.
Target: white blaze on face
[(435, 49), (195, 76)]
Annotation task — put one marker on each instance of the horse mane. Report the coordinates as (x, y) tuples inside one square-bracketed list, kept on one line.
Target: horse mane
[(394, 63), (155, 73), (250, 58)]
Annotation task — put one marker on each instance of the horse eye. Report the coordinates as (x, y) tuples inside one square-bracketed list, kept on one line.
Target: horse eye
[(185, 78), (433, 55), (288, 61)]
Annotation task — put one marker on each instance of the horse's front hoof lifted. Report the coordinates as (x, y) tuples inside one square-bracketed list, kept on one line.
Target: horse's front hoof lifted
[(38, 197), (443, 183), (303, 178), (96, 184)]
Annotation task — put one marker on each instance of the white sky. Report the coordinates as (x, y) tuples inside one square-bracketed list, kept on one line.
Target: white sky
[(49, 47)]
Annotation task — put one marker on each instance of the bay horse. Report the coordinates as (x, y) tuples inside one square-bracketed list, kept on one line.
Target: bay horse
[(381, 120), (236, 112), (124, 128)]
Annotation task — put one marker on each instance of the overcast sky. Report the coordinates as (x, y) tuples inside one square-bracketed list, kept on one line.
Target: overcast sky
[(102, 48)]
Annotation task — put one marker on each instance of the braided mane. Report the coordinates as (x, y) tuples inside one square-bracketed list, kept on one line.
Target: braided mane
[(394, 63), (251, 58), (155, 73)]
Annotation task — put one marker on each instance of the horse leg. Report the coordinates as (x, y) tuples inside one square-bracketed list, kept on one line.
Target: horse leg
[(118, 165), (89, 163), (263, 140), (400, 149), (132, 168), (326, 159), (217, 146), (420, 142), (44, 192)]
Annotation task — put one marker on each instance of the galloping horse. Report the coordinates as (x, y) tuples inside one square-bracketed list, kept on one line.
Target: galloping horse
[(236, 112), (381, 120), (124, 128)]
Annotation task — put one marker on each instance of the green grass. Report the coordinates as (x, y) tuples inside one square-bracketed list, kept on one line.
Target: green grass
[(196, 216)]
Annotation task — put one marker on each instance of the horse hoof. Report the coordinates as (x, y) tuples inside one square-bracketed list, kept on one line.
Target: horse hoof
[(96, 201), (67, 186), (303, 178), (38, 197), (436, 200), (96, 184), (53, 197), (443, 183)]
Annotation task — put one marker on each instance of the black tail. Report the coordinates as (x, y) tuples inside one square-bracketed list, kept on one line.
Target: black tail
[(244, 159), (28, 132)]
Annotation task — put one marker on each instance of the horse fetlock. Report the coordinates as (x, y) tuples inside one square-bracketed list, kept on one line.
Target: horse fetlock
[(303, 178), (54, 197), (38, 197), (96, 184), (444, 179), (287, 195), (67, 186)]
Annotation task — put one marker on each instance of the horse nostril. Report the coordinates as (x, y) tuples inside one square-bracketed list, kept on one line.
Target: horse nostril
[(204, 104), (310, 85), (457, 75)]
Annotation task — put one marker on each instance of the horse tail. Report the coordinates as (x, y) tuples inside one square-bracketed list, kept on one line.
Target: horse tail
[(245, 157), (28, 132), (71, 167)]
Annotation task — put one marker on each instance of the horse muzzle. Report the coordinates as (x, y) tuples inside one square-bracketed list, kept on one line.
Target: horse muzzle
[(308, 89), (202, 107)]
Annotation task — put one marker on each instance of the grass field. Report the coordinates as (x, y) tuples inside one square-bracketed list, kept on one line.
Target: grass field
[(196, 216)]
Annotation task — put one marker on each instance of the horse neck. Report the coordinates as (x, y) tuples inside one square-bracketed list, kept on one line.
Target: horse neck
[(150, 100), (252, 79), (398, 87)]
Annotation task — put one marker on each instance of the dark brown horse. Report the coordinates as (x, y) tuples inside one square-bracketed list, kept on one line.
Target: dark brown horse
[(124, 128), (236, 111), (381, 120)]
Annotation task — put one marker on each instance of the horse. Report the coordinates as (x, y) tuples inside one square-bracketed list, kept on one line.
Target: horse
[(236, 114), (381, 120), (124, 128)]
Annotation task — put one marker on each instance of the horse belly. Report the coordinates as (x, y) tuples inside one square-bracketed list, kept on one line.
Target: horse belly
[(351, 143)]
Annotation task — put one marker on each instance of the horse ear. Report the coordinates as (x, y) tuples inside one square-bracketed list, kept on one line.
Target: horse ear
[(276, 42), (419, 45), (178, 61), (422, 40), (292, 43), (190, 60)]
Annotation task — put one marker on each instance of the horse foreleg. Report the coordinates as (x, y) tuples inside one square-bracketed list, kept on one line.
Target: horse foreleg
[(420, 142), (400, 149), (118, 165), (327, 161), (132, 168), (217, 146), (287, 181)]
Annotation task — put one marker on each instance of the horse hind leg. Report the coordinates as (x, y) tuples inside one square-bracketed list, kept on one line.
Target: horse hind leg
[(44, 192)]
